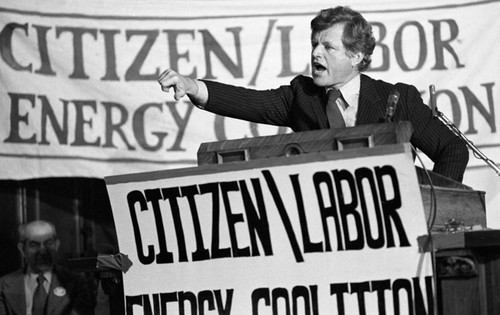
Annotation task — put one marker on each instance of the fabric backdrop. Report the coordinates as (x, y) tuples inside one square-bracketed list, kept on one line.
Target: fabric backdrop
[(79, 95)]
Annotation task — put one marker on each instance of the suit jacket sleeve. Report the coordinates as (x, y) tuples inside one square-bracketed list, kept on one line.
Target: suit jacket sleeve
[(448, 152), (301, 106), (259, 106)]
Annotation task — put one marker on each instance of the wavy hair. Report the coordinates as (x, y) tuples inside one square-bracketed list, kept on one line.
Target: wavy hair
[(358, 35)]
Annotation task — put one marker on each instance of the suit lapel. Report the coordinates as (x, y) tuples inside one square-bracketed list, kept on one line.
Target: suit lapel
[(14, 293), (58, 296), (320, 111), (371, 109)]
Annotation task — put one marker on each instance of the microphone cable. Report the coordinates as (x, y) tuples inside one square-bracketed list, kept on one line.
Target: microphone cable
[(430, 224)]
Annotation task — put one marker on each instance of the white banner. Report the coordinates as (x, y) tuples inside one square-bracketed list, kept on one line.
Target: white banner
[(322, 234), (79, 96)]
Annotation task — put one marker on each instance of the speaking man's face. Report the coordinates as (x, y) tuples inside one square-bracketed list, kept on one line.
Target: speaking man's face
[(332, 65)]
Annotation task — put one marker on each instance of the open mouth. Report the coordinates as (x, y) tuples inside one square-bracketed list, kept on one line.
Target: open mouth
[(317, 67)]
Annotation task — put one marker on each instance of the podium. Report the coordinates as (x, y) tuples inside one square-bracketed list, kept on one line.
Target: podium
[(467, 261), (313, 219), (458, 205), (272, 234)]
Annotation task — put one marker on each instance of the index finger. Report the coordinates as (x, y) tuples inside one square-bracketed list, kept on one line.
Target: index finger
[(163, 75)]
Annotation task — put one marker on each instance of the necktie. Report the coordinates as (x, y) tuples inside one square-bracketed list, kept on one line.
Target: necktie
[(332, 109), (39, 297)]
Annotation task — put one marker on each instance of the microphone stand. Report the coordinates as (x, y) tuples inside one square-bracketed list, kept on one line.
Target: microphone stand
[(436, 113)]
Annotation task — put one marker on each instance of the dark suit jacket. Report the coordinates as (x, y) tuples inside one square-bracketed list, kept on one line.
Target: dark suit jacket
[(301, 106), (76, 295)]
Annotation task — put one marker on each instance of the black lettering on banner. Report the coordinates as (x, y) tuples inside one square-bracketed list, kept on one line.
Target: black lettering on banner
[(444, 34), (82, 121), (6, 44), (284, 215), (402, 287), (257, 295), (281, 299), (139, 124), (398, 46), (362, 175), (174, 55), (233, 218), (381, 46), (213, 189), (133, 72), (201, 252), (472, 101), (440, 44), (148, 307), (189, 297), (115, 127), (153, 196), (166, 298), (224, 309), (205, 297), (258, 224), (36, 120), (131, 300), (159, 303), (78, 57), (310, 299), (348, 210), (45, 66), (375, 219), (16, 119), (418, 297), (286, 54), (110, 52), (380, 286), (338, 289), (276, 295), (136, 197), (309, 247), (180, 122), (359, 288), (171, 194), (48, 114), (390, 207), (212, 46), (407, 290), (322, 179)]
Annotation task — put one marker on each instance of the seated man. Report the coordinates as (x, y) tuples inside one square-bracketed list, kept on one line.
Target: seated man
[(41, 286)]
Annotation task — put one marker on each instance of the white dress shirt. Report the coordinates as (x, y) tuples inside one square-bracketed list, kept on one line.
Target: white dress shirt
[(30, 285), (350, 92)]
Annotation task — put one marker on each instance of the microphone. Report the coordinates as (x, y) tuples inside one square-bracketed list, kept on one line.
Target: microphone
[(392, 103), (432, 92)]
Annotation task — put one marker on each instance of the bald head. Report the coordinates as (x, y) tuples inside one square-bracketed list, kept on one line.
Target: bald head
[(35, 228), (38, 243)]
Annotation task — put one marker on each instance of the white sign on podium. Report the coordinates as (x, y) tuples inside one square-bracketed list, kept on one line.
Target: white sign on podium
[(322, 233)]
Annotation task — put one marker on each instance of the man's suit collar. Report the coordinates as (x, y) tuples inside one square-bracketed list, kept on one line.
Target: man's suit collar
[(371, 108), (318, 97), (58, 296), (14, 292)]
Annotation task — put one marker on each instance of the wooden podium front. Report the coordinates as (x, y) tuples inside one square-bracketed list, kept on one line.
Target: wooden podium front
[(467, 269), (458, 205), (467, 261)]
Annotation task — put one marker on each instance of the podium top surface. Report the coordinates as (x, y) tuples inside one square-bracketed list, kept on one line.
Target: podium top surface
[(461, 240), (364, 136)]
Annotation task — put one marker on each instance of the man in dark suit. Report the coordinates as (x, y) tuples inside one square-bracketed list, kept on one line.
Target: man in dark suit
[(42, 287), (342, 45)]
